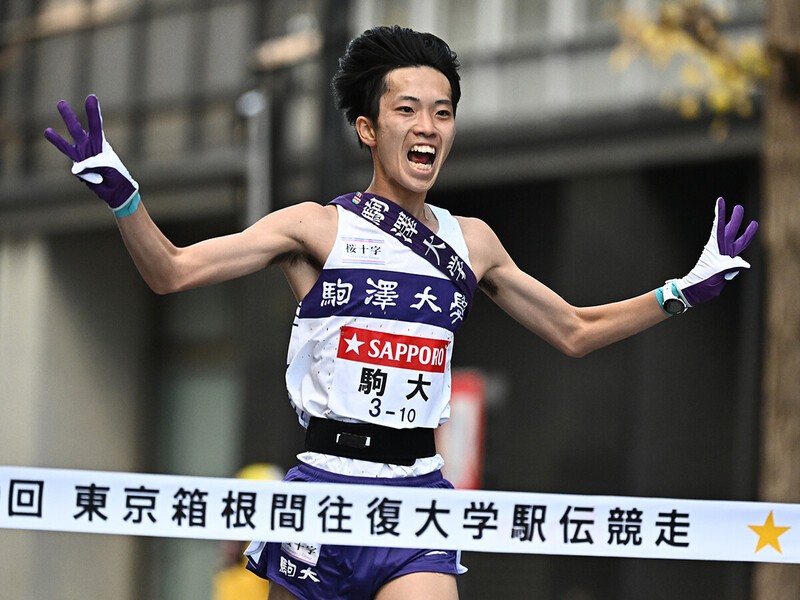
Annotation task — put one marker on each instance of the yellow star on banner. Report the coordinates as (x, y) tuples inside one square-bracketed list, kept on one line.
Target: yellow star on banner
[(768, 534)]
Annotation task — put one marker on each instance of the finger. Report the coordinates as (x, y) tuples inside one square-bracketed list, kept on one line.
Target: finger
[(736, 265), (60, 143), (745, 239), (732, 228), (95, 121), (719, 223), (71, 121), (734, 271)]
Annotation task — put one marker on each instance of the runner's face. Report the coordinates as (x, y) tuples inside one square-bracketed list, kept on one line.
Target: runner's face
[(414, 132)]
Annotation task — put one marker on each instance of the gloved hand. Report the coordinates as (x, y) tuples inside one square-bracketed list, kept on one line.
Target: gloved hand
[(720, 261), (94, 161)]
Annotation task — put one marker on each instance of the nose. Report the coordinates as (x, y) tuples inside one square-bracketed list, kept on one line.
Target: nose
[(424, 124)]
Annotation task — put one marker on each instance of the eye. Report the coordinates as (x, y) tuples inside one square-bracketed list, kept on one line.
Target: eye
[(405, 109), (444, 113)]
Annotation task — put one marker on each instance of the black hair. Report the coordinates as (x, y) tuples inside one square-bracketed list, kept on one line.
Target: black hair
[(361, 79)]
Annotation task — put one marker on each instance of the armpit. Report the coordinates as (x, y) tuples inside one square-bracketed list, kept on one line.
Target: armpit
[(488, 286), (289, 260)]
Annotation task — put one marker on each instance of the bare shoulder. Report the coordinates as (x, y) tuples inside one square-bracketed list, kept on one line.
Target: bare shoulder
[(317, 226), (308, 217), (473, 226), (304, 230), (302, 222), (485, 249)]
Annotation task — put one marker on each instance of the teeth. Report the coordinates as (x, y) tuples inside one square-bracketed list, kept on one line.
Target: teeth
[(423, 149)]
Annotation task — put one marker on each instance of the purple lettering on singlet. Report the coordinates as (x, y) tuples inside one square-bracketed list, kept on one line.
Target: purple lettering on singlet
[(386, 295)]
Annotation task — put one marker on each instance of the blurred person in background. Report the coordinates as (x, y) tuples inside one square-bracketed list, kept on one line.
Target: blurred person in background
[(232, 581), (383, 280)]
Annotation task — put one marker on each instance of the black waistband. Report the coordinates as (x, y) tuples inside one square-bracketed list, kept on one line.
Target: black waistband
[(374, 443)]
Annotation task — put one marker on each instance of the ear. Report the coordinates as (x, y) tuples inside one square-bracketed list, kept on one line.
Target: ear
[(365, 130)]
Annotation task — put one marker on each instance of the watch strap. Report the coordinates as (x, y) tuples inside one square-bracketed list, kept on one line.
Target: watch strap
[(669, 291)]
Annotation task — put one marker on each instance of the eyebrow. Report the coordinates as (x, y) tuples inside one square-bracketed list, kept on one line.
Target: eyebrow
[(446, 101)]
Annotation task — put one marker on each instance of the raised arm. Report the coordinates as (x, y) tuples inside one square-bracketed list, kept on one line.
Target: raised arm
[(166, 268), (576, 331)]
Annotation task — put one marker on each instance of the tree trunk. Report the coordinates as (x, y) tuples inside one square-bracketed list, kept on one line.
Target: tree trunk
[(780, 235)]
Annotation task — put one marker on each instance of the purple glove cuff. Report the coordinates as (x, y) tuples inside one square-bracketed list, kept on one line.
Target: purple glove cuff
[(115, 189), (705, 290)]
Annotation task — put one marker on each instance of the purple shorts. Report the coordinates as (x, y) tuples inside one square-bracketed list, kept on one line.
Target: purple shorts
[(312, 571)]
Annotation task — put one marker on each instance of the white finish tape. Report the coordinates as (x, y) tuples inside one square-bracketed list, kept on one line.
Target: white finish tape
[(480, 520)]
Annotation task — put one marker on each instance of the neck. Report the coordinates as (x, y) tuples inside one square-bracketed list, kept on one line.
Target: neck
[(412, 202)]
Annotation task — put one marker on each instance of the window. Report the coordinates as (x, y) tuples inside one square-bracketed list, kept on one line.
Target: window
[(527, 19), (460, 23), (110, 75), (228, 46), (56, 71), (167, 57)]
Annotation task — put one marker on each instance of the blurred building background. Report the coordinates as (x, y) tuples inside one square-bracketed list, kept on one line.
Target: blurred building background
[(221, 110)]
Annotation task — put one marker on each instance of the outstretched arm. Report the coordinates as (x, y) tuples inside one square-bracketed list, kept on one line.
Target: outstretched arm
[(576, 331), (165, 267)]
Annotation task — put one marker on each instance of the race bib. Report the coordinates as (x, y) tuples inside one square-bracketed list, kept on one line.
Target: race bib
[(390, 379)]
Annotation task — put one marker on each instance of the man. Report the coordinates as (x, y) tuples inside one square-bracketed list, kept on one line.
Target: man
[(369, 358)]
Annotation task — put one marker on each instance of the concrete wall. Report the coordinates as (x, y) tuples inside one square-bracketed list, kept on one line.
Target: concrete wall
[(71, 395)]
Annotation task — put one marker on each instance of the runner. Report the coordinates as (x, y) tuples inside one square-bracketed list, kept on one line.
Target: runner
[(383, 281)]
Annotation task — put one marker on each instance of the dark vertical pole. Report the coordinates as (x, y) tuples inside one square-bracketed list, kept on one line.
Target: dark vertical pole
[(748, 395), (137, 84), (335, 22), (198, 68), (779, 479), (30, 70), (270, 432)]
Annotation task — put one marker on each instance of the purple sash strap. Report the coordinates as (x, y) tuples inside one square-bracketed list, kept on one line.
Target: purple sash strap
[(392, 219)]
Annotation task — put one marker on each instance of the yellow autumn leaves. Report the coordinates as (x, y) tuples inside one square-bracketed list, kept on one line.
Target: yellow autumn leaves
[(711, 70)]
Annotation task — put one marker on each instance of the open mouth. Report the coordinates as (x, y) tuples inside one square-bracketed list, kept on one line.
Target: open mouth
[(422, 156)]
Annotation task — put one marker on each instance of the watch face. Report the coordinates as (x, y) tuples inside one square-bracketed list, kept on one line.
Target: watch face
[(674, 306)]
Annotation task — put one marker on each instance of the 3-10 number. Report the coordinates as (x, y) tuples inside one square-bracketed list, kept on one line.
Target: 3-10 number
[(406, 414), (409, 414)]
